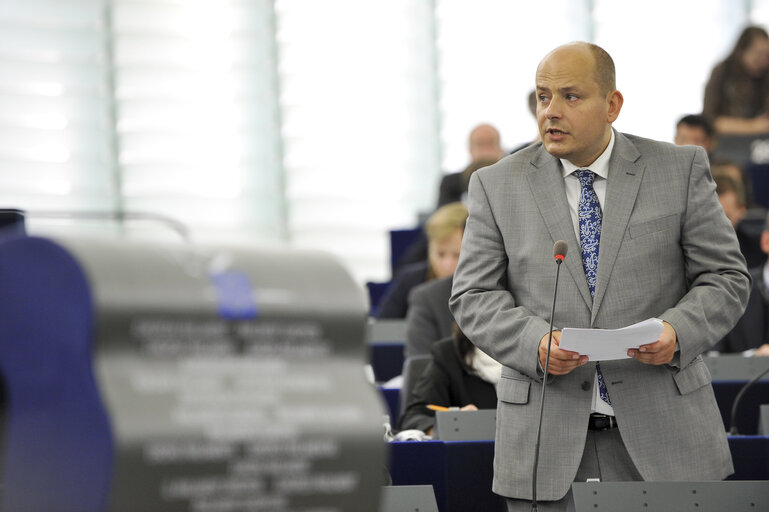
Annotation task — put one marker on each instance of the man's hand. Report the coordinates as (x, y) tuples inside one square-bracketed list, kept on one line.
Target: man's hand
[(763, 350), (561, 361), (659, 352)]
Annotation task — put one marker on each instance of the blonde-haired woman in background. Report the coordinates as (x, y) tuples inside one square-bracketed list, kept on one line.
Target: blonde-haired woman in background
[(444, 230)]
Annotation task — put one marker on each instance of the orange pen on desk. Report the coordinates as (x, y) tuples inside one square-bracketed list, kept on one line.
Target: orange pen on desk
[(441, 408)]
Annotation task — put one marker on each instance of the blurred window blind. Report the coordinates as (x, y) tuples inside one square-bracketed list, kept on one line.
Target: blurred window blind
[(360, 123), (56, 150), (198, 128), (488, 51), (664, 78)]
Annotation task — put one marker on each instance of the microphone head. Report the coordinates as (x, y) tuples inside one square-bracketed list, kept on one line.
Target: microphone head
[(559, 250)]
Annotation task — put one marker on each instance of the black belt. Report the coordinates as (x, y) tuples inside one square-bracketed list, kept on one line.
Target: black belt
[(601, 422)]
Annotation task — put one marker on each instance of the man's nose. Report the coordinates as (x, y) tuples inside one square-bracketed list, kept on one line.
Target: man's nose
[(553, 108)]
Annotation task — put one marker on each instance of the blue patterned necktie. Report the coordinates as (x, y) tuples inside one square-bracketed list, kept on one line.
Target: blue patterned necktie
[(589, 213)]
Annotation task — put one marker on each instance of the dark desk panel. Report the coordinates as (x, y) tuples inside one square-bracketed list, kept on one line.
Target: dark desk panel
[(461, 472), (748, 411), (750, 455)]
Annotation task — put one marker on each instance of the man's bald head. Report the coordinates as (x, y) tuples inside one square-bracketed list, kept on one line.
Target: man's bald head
[(603, 65), (485, 143)]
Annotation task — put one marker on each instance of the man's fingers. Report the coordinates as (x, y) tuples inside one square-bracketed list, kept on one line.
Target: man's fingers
[(641, 357), (562, 367), (563, 355), (561, 361), (658, 356)]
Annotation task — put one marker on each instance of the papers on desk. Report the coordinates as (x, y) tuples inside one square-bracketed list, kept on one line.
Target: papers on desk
[(607, 344)]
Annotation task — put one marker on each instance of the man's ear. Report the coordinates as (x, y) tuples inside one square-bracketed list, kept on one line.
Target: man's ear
[(615, 100)]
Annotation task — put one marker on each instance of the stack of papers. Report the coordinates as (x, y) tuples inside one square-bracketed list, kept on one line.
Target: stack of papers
[(608, 344)]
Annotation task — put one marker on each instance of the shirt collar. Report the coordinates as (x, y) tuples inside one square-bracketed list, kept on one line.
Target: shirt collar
[(599, 167)]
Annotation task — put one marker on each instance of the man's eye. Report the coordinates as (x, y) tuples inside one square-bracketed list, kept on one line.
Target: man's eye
[(571, 97)]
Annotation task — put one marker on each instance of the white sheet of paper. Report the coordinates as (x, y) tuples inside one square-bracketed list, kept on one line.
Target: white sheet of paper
[(607, 344)]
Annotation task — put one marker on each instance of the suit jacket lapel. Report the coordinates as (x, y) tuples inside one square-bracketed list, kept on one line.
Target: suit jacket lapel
[(547, 187), (625, 174)]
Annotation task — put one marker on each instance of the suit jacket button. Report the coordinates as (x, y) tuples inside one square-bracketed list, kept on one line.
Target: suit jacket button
[(586, 386)]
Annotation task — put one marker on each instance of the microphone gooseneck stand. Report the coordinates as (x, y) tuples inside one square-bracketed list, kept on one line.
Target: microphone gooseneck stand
[(733, 429), (558, 261)]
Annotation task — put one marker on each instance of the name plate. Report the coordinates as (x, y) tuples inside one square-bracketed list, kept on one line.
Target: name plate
[(386, 330), (465, 425), (736, 366), (735, 496), (408, 498), (763, 421)]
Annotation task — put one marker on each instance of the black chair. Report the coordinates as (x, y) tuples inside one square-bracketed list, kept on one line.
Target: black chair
[(759, 179), (12, 222), (401, 243), (376, 291)]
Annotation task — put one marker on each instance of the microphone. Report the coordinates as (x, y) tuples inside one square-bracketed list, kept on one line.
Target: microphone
[(559, 253), (733, 430)]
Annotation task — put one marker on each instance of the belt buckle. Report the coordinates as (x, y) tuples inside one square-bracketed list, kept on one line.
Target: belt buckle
[(606, 422)]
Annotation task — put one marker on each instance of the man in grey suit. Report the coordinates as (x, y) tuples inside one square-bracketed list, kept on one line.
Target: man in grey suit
[(647, 239)]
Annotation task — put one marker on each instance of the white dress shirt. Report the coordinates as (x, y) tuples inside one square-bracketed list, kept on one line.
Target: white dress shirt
[(573, 190)]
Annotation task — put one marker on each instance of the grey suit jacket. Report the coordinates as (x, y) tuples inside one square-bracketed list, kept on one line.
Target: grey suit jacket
[(667, 251), (428, 319)]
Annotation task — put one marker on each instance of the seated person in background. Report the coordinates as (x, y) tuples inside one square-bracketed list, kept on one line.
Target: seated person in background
[(751, 334), (696, 130), (454, 186), (444, 231), (733, 170), (459, 375), (485, 149), (428, 319), (731, 195), (737, 93)]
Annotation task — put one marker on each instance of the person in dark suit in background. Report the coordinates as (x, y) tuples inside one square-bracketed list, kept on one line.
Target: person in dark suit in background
[(444, 231), (459, 375), (485, 149), (428, 319), (751, 334), (453, 186)]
